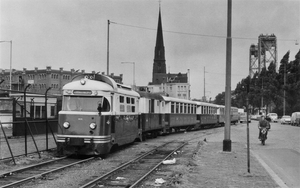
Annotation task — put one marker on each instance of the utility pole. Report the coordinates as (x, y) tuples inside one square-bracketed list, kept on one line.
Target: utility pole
[(108, 22), (204, 85), (227, 141), (248, 136), (284, 82)]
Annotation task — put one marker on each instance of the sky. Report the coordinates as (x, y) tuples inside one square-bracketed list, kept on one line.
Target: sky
[(72, 34)]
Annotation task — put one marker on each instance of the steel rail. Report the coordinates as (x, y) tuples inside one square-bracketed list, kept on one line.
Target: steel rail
[(91, 183), (29, 167), (150, 171), (44, 173)]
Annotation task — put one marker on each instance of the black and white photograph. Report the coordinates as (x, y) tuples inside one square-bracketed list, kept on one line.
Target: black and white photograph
[(150, 93)]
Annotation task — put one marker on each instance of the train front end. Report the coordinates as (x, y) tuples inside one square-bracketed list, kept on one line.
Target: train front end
[(85, 118)]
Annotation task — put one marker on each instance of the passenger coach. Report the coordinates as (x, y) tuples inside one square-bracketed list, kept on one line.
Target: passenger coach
[(179, 113)]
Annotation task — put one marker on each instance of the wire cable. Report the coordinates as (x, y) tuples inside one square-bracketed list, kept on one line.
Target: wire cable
[(195, 34)]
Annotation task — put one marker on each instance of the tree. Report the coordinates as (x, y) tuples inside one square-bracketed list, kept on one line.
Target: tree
[(268, 86)]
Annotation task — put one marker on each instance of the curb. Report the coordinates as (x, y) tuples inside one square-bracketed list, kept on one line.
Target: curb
[(276, 178)]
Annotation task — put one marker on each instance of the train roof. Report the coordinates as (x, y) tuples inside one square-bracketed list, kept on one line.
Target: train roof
[(205, 104), (100, 83), (178, 100), (97, 77), (151, 95)]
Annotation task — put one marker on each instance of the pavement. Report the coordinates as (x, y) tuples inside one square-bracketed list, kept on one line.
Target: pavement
[(216, 168), (219, 169)]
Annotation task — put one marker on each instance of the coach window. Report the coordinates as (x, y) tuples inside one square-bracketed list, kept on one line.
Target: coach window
[(181, 111), (37, 111), (172, 107), (185, 108), (127, 100), (195, 109), (133, 106), (121, 99), (177, 107), (192, 109), (122, 106)]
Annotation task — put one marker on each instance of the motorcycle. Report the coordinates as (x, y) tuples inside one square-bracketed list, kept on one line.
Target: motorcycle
[(263, 135)]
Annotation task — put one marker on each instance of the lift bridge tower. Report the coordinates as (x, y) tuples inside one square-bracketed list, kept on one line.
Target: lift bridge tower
[(262, 54)]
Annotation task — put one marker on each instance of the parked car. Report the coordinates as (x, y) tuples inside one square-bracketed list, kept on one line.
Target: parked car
[(243, 118), (285, 119), (273, 116), (295, 119)]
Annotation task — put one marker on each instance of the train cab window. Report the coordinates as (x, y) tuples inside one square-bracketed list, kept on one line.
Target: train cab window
[(105, 105), (132, 100), (85, 103)]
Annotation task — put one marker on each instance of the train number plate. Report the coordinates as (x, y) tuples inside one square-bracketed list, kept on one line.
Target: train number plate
[(76, 141)]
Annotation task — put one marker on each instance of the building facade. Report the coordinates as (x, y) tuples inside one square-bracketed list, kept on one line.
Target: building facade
[(41, 79)]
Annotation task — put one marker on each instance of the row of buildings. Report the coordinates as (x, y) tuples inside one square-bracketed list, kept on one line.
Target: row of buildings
[(170, 84)]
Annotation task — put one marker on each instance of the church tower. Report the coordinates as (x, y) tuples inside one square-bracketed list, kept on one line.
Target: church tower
[(159, 65)]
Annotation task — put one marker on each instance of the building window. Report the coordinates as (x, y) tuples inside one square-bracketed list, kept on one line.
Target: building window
[(52, 111)]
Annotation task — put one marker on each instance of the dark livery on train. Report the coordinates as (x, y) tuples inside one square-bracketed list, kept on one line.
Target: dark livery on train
[(99, 114)]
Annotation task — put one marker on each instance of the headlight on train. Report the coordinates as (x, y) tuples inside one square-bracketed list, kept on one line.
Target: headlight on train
[(93, 126), (66, 125), (82, 81)]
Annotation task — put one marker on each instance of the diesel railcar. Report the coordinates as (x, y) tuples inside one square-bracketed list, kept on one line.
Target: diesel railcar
[(97, 114)]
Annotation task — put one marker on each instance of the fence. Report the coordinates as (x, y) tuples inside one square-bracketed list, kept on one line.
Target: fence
[(33, 126)]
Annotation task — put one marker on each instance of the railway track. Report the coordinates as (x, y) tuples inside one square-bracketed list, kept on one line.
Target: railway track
[(23, 175), (135, 171)]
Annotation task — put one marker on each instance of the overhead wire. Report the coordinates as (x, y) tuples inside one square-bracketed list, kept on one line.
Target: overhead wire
[(196, 34)]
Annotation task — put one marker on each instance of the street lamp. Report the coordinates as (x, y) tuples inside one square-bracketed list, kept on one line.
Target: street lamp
[(133, 63), (10, 41)]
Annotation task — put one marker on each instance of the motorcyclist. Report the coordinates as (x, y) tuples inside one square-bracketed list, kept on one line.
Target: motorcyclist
[(263, 123)]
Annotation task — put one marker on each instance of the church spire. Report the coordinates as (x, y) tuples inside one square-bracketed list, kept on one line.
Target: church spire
[(159, 35), (159, 65)]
